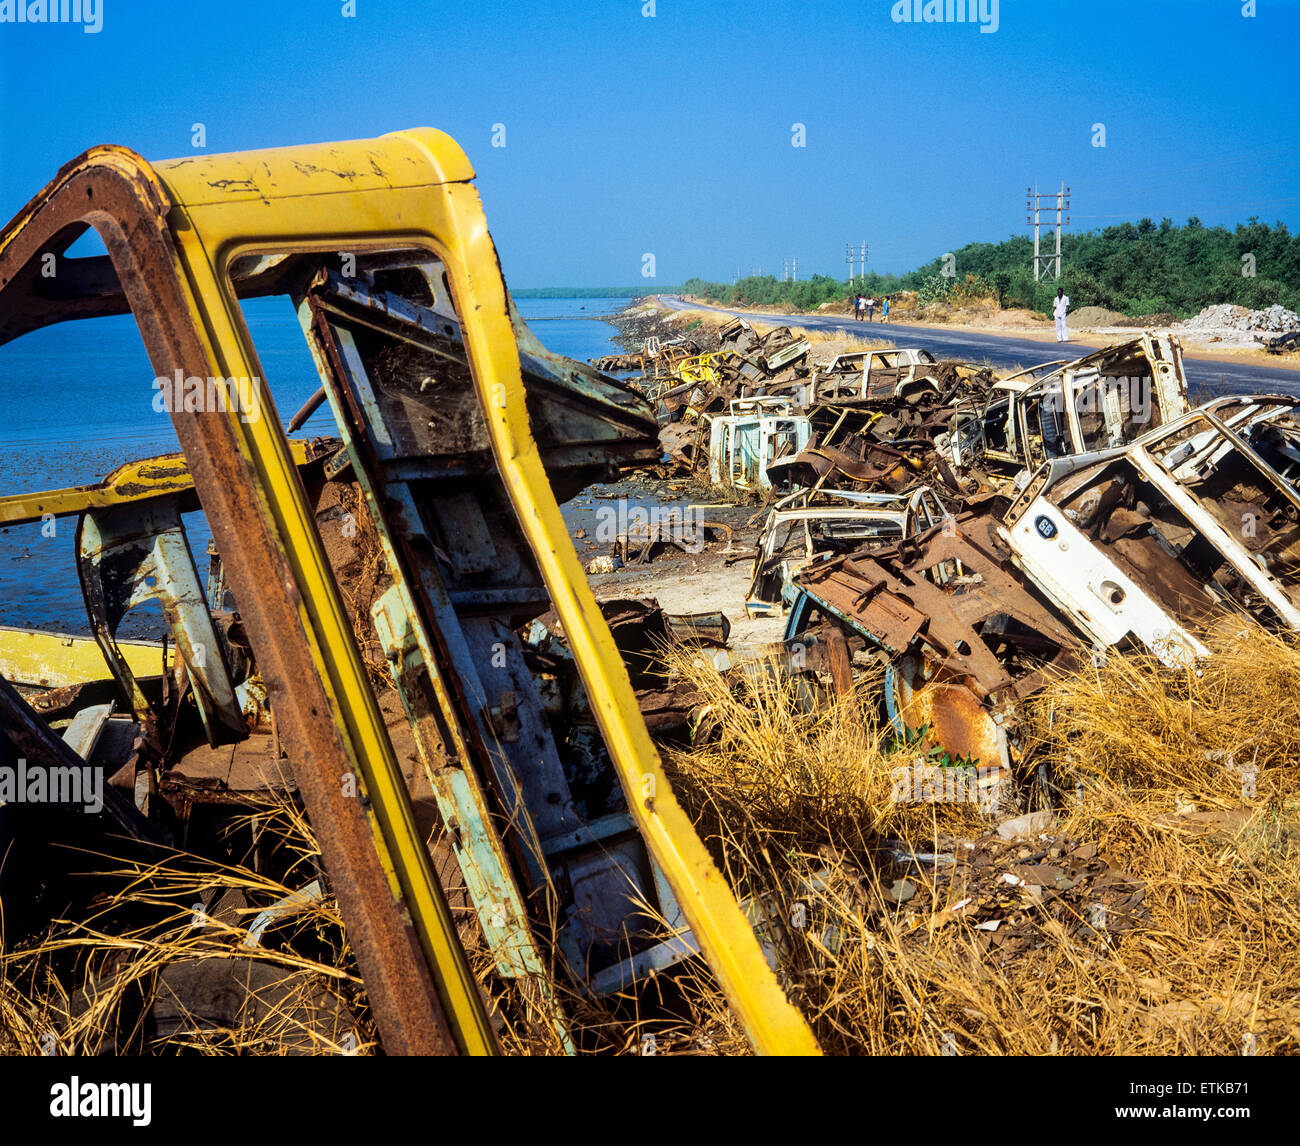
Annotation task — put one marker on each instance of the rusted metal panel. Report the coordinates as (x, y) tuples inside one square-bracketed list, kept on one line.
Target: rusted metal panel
[(852, 591), (60, 660), (459, 619), (948, 584), (966, 640), (131, 554), (858, 463), (35, 742)]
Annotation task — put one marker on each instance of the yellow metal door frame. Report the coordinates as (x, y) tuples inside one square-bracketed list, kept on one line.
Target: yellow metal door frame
[(412, 189)]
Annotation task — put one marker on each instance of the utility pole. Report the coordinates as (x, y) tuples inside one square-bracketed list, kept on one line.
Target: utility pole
[(785, 269), (1062, 202), (848, 258), (796, 268), (1047, 268), (1031, 217), (864, 258)]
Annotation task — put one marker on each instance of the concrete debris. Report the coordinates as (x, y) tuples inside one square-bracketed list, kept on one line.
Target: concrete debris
[(1275, 319)]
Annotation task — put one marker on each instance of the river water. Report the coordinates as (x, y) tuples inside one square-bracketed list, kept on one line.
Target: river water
[(79, 403)]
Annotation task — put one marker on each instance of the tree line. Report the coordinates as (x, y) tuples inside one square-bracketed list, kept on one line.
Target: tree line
[(1138, 269)]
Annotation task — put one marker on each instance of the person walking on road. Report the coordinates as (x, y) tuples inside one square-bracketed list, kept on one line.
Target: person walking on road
[(1060, 308), (884, 309), (871, 305), (858, 301)]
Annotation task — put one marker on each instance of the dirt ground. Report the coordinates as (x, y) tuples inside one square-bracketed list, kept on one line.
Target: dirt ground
[(682, 582), (701, 584)]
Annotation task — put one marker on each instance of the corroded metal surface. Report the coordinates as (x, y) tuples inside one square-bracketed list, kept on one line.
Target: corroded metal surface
[(183, 243), (967, 639)]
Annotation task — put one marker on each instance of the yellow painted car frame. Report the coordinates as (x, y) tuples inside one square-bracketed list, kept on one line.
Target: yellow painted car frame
[(407, 190), (700, 368)]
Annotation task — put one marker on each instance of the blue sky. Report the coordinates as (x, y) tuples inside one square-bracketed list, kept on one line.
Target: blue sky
[(672, 134)]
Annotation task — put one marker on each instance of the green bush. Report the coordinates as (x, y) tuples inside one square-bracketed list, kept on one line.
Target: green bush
[(933, 289), (1147, 304)]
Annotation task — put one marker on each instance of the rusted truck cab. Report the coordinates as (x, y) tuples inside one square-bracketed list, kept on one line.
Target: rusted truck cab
[(1154, 543), (750, 437), (877, 376)]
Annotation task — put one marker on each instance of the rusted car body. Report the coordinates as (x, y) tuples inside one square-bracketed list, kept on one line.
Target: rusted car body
[(801, 529), (746, 441), (876, 376), (853, 462), (1101, 401), (1154, 543)]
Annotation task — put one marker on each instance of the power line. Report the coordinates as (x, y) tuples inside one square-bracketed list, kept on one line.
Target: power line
[(851, 255), (1149, 213)]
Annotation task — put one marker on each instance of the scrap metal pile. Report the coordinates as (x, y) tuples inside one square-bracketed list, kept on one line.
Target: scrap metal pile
[(757, 401), (764, 419), (964, 538), (1142, 546)]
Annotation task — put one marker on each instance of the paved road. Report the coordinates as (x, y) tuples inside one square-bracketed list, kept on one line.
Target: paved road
[(1205, 376)]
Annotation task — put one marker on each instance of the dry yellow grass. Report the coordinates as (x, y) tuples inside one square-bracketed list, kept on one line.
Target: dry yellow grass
[(1185, 779), (85, 986)]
